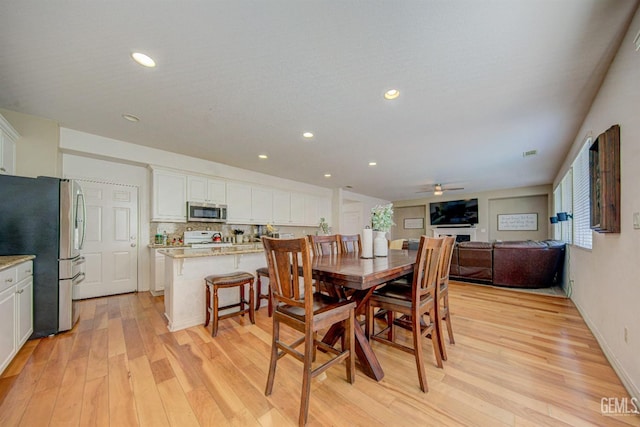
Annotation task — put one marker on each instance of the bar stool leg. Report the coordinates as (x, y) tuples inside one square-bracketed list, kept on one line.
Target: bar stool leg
[(252, 315), (242, 300), (258, 292), (214, 329), (207, 298)]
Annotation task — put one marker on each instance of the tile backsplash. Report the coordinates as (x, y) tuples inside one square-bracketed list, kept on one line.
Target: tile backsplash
[(175, 230)]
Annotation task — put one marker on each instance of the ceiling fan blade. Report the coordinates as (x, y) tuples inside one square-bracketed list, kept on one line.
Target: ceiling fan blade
[(452, 188)]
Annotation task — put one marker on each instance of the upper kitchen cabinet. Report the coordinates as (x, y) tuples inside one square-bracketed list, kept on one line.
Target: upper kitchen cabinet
[(206, 190), (169, 201), (281, 207), (8, 138), (248, 204), (288, 208), (316, 208)]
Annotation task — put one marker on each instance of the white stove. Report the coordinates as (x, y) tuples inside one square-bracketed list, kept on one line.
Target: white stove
[(203, 239)]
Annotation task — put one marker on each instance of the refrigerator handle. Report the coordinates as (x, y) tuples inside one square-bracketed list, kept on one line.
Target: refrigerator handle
[(80, 201)]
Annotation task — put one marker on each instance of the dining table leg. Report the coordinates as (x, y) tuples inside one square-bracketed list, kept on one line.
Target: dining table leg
[(366, 357)]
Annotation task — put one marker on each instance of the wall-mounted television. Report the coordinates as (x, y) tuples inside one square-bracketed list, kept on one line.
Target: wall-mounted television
[(454, 212)]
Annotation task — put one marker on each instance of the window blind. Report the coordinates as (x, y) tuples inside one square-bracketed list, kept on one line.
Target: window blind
[(567, 206), (581, 202)]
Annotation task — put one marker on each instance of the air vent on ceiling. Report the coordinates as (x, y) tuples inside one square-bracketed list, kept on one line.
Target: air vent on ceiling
[(529, 153), (636, 41)]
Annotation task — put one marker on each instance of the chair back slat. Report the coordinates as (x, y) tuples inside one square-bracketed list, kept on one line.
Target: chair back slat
[(325, 245), (445, 260), (425, 273), (351, 243), (284, 258)]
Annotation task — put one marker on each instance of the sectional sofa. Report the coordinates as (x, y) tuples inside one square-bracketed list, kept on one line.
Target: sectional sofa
[(520, 264)]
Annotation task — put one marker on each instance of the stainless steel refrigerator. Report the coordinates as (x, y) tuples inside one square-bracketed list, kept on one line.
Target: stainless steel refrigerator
[(45, 217)]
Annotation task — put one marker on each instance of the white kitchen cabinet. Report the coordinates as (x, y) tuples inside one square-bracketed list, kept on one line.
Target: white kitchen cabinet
[(206, 190), (281, 207), (16, 310), (289, 208), (169, 199), (25, 310), (324, 209), (297, 209), (315, 208), (311, 217), (261, 205), (248, 204), (157, 272), (8, 138), (8, 343), (238, 203)]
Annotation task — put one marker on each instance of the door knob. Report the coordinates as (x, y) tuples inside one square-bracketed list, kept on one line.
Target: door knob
[(133, 245)]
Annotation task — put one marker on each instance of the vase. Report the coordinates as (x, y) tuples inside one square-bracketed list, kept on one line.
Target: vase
[(380, 245)]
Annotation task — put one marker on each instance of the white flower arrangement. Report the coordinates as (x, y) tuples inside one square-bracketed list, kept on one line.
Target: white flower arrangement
[(324, 226), (382, 217)]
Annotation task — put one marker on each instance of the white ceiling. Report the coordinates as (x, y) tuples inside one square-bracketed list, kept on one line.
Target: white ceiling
[(481, 82)]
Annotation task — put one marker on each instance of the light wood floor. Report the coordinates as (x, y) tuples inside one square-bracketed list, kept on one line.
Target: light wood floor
[(519, 359)]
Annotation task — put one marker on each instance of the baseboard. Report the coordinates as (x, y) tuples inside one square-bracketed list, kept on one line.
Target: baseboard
[(628, 384)]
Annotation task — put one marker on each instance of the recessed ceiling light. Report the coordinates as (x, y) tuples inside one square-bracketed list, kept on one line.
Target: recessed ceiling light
[(131, 118), (391, 94), (143, 59), (372, 163), (327, 175), (308, 135), (263, 156)]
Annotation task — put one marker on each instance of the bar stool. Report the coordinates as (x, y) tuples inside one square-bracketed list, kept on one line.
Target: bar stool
[(214, 282), (263, 272)]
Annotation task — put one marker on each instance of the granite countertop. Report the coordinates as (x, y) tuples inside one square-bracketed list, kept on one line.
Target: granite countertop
[(161, 246), (248, 248), (11, 260)]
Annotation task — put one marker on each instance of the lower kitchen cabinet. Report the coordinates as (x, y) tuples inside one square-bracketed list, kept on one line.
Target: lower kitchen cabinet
[(16, 310), (157, 272)]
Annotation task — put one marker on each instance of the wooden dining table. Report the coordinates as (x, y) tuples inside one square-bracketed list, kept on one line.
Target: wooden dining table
[(362, 276)]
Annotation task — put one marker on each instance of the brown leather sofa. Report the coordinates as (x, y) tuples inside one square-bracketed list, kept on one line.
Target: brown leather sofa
[(522, 264)]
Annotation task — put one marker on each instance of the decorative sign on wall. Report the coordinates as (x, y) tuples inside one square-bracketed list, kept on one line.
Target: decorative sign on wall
[(414, 223), (518, 222)]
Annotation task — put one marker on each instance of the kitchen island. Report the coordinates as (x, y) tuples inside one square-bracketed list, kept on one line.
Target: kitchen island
[(185, 270)]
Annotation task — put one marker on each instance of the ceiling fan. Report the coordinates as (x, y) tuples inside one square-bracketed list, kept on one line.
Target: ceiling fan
[(439, 189)]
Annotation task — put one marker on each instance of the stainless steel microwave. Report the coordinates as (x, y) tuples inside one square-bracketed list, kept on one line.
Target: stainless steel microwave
[(205, 212)]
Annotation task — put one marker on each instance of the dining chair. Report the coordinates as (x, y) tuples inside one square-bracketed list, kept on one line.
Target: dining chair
[(442, 304), (416, 301), (306, 312), (350, 243), (325, 245)]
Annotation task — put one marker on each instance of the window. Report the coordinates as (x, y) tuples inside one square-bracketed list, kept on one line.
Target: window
[(563, 202), (581, 203)]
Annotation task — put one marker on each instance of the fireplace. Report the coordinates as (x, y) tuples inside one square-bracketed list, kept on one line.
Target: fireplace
[(462, 234)]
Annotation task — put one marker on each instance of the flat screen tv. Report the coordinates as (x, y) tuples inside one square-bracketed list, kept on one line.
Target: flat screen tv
[(454, 212)]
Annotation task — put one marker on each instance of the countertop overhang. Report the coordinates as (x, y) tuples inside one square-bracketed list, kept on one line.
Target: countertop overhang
[(11, 260), (250, 248)]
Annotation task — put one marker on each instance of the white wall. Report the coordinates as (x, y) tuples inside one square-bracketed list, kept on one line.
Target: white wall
[(37, 147), (606, 288), (75, 142)]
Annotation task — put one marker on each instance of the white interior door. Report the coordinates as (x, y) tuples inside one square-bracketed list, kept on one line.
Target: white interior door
[(111, 243), (351, 219)]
